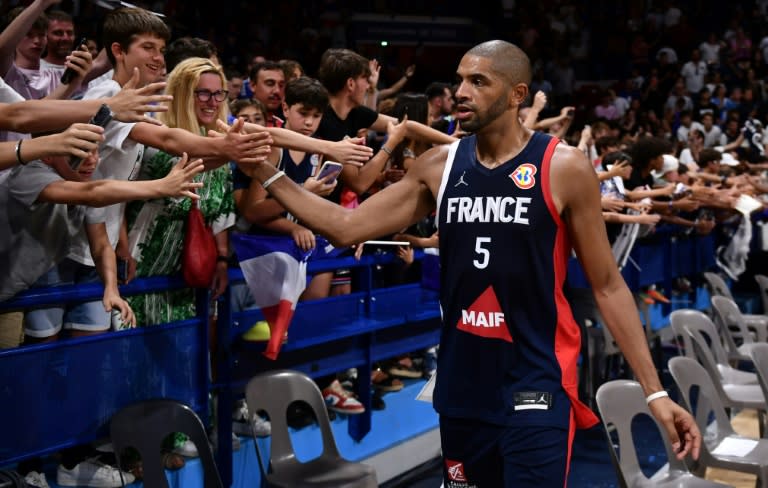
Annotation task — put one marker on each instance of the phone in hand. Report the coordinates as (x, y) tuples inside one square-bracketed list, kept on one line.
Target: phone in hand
[(102, 118), (329, 168), (69, 73)]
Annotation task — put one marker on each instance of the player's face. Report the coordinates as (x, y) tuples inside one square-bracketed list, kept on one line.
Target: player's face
[(482, 96), (299, 118)]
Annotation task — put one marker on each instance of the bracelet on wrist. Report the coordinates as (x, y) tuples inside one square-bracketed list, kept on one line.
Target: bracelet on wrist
[(656, 396), (18, 152), (222, 259), (272, 179), (386, 150)]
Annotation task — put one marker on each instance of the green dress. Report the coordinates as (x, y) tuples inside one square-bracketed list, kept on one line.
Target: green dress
[(156, 231)]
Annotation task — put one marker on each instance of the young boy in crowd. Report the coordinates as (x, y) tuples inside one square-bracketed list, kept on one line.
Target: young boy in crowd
[(305, 101)]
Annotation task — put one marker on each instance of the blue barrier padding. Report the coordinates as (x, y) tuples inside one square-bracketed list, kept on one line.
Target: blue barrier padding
[(62, 394), (658, 261)]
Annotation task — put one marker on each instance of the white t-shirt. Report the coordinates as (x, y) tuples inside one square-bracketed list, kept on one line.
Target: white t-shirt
[(710, 53), (682, 131), (8, 94), (30, 84), (36, 234), (622, 105), (686, 158), (712, 138), (694, 73), (120, 160)]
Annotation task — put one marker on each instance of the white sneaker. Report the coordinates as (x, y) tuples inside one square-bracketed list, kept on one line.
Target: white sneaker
[(93, 473), (259, 427), (33, 478), (187, 449)]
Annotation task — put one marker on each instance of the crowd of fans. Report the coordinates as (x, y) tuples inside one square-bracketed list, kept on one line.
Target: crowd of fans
[(679, 141)]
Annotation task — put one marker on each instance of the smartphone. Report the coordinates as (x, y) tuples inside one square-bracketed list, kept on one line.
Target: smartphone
[(329, 168), (69, 73), (102, 118)]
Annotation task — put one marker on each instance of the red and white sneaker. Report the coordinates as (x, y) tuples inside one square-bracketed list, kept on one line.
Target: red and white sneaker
[(340, 400)]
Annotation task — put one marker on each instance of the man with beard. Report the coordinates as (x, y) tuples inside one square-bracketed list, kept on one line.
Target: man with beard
[(510, 202), (61, 40)]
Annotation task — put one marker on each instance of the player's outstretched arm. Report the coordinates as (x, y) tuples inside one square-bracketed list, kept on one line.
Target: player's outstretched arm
[(386, 212)]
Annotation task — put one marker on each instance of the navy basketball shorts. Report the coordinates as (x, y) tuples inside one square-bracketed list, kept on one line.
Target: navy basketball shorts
[(481, 455)]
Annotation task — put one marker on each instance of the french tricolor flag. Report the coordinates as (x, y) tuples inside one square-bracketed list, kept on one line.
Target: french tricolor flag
[(275, 270)]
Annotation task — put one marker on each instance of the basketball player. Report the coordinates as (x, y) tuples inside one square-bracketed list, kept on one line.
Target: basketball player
[(510, 204)]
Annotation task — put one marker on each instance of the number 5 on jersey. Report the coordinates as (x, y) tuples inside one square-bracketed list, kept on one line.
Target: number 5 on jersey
[(484, 254)]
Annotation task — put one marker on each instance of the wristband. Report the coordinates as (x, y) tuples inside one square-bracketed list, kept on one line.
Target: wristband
[(386, 150), (18, 152), (656, 396), (222, 259), (272, 179)]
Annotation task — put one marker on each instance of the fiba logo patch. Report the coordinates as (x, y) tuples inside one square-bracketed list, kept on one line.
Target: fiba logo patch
[(524, 176)]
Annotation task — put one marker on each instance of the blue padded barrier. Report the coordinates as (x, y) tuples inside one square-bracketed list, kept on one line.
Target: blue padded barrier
[(63, 393)]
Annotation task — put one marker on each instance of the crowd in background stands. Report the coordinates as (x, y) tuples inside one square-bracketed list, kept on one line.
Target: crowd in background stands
[(676, 134)]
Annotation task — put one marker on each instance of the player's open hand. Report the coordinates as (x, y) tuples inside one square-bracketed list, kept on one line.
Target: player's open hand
[(683, 433)]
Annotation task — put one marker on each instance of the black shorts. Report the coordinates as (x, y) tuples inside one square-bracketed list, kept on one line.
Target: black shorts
[(481, 455)]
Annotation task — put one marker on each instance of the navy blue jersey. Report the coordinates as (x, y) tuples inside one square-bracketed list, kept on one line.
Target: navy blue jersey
[(509, 346), (301, 171)]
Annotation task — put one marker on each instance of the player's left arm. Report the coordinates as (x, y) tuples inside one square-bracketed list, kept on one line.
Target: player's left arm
[(576, 195)]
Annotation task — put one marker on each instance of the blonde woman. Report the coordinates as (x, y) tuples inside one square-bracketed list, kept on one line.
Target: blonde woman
[(157, 227)]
